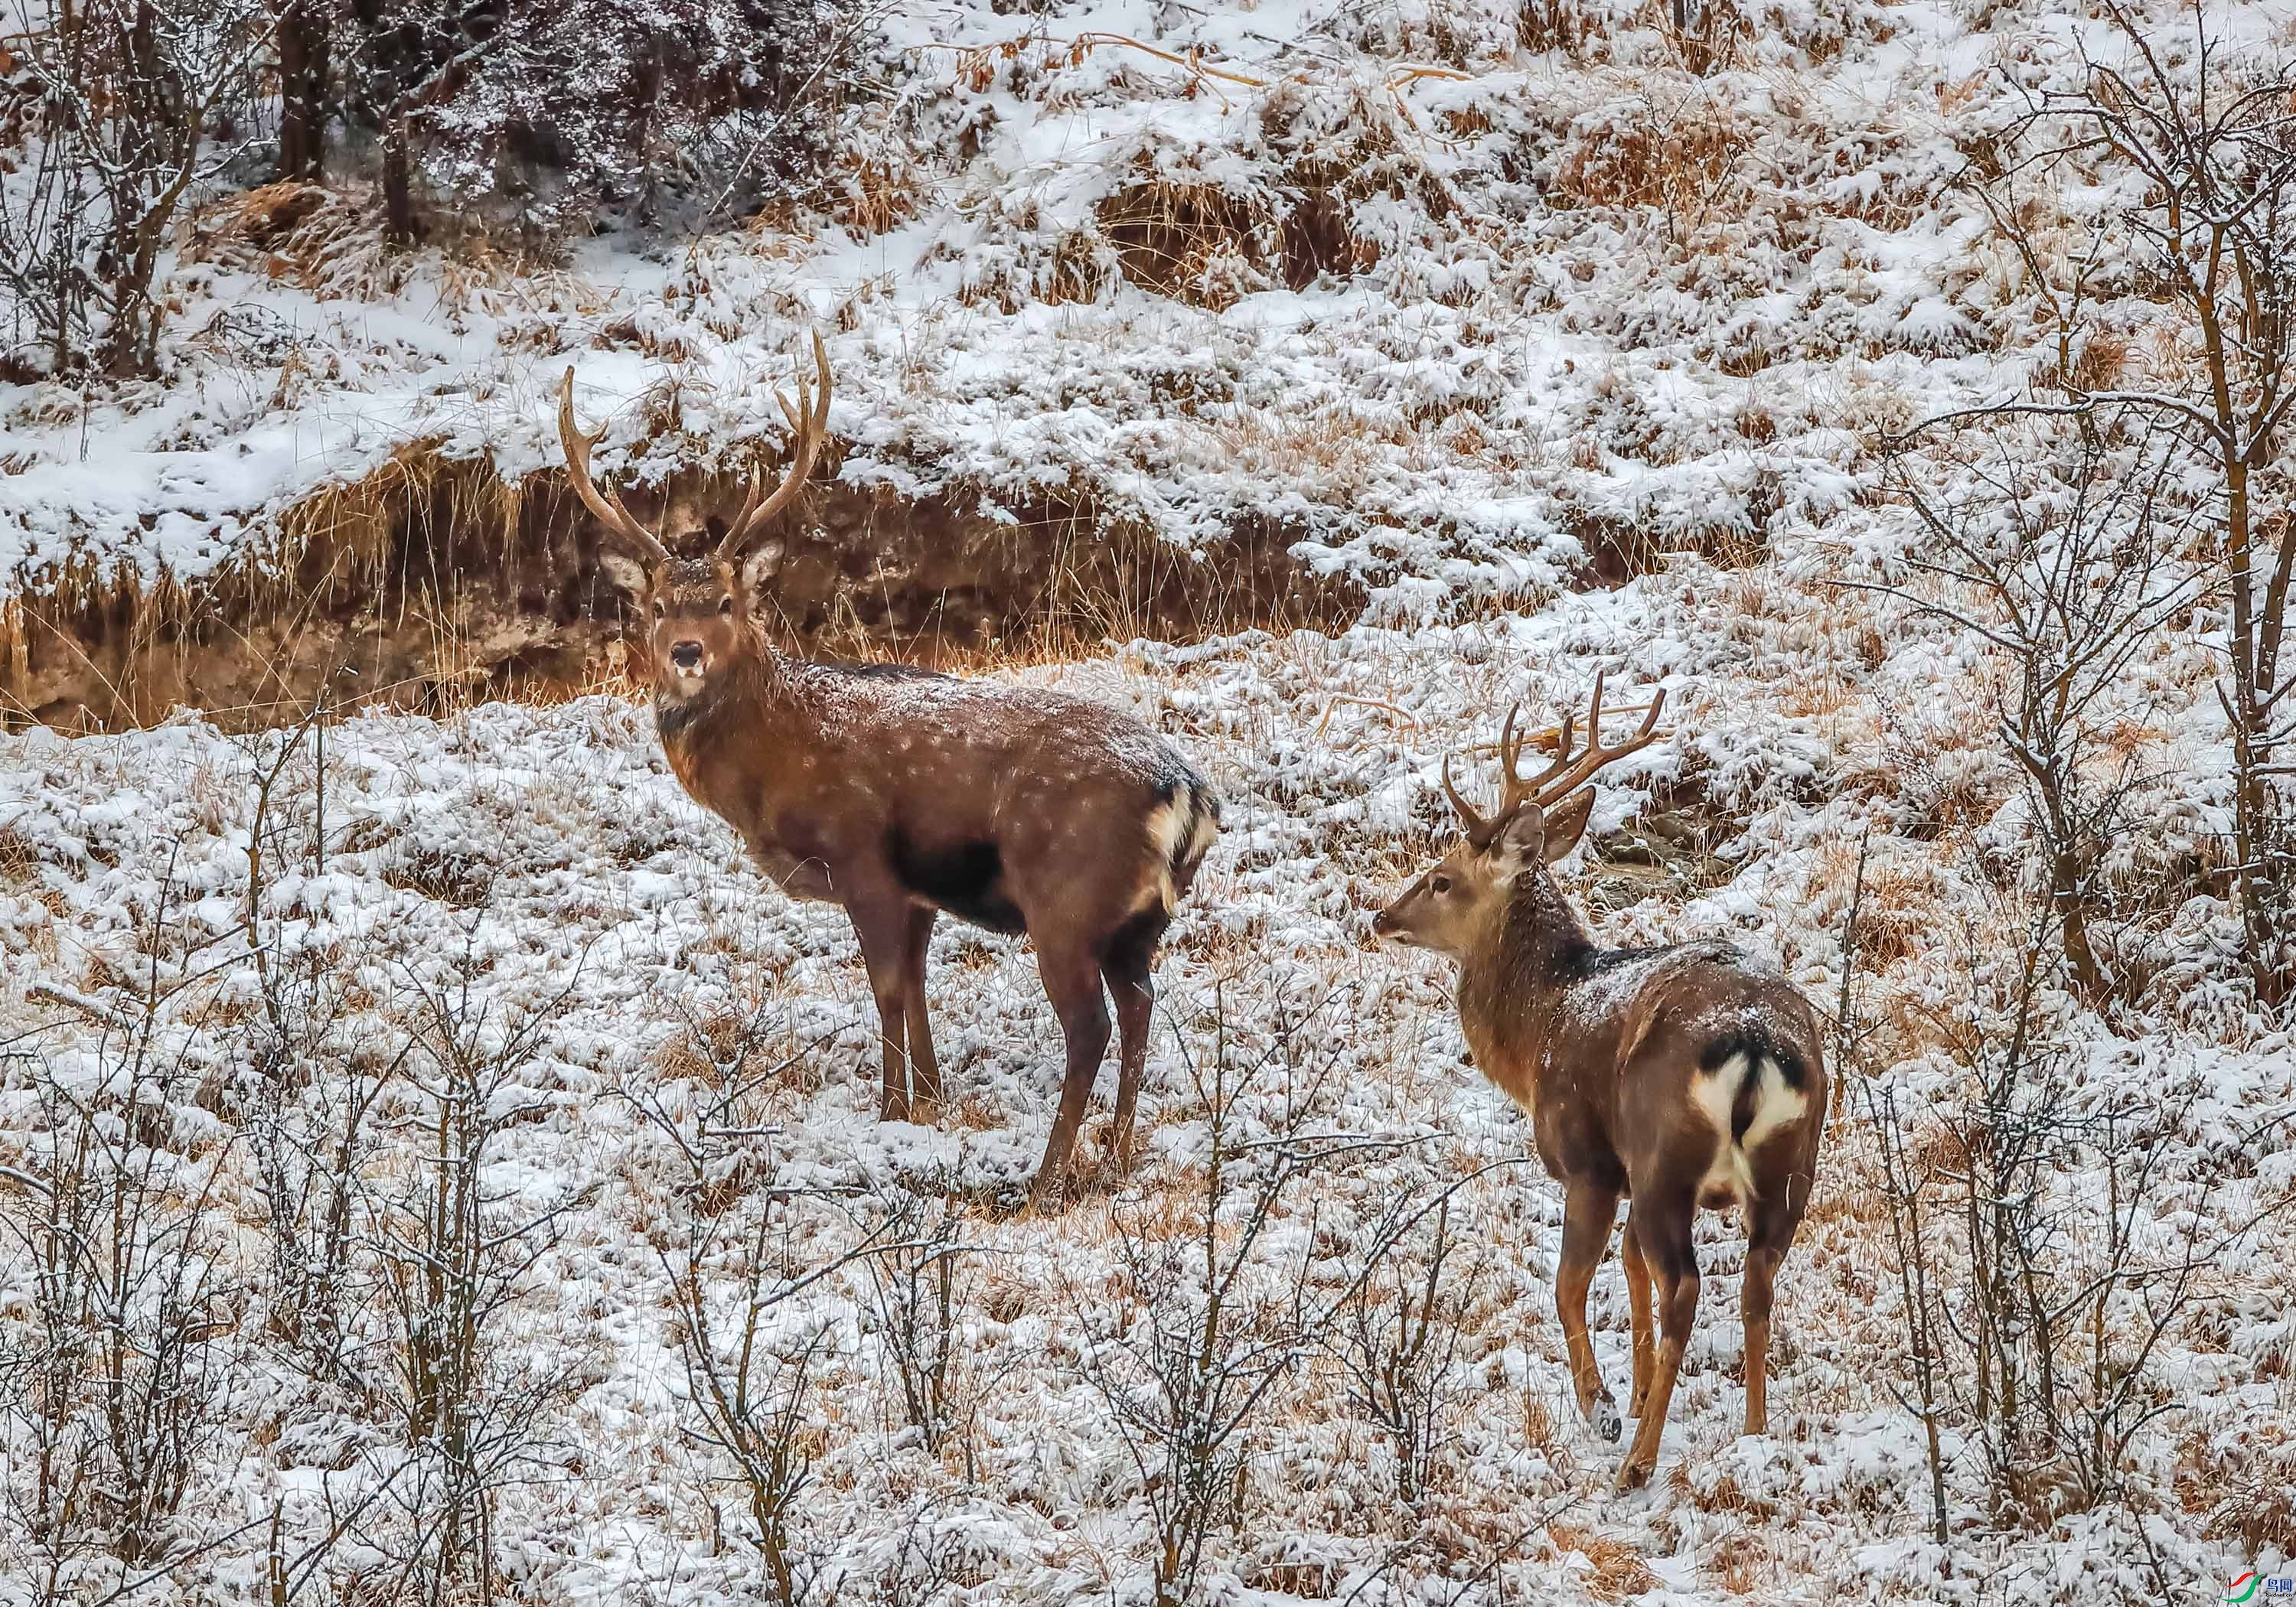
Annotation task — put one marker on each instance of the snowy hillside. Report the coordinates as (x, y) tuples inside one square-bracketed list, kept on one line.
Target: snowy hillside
[(411, 1116)]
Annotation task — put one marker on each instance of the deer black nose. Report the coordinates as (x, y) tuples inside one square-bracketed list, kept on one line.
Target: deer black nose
[(687, 655), (1384, 923)]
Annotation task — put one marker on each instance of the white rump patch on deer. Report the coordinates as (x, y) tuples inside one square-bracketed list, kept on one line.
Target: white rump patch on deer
[(1777, 1104), (1165, 822)]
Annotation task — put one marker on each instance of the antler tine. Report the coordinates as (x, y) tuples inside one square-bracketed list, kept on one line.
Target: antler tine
[(1537, 784), (1476, 825), (808, 421), (1511, 788), (604, 505), (1555, 787)]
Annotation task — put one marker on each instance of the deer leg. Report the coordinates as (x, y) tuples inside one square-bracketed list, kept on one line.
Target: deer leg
[(1770, 1231), (1663, 1222), (1126, 971), (1638, 1307), (1073, 984), (1754, 1308), (881, 932), (1588, 1208), (925, 1068)]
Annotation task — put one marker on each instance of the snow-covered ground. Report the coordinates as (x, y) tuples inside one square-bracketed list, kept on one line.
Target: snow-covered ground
[(543, 860), (1601, 300), (1595, 291)]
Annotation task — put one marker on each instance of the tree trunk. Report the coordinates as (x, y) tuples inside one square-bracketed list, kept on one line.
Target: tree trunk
[(398, 221), (2263, 907), (2072, 911), (304, 71)]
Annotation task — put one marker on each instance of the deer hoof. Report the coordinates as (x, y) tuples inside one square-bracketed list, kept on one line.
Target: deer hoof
[(1632, 1474), (1604, 1416)]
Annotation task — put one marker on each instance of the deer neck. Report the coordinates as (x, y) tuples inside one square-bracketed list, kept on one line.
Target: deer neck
[(711, 736), (1511, 985)]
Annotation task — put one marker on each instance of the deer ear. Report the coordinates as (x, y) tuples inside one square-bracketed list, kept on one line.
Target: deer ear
[(1568, 824), (760, 564), (1519, 841), (623, 570)]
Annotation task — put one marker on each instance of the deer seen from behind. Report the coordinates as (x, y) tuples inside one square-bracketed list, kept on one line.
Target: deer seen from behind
[(900, 794), (1680, 1077)]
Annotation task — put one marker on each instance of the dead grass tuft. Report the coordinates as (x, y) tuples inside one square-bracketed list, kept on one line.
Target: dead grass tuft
[(1191, 240), (1632, 153), (321, 240), (1618, 1571), (1741, 1564), (1544, 25), (2244, 1493), (20, 859)]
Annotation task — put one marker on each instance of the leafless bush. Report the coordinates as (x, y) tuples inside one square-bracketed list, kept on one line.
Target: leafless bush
[(2201, 154), (551, 111), (307, 1120), (456, 1258), (744, 1260), (1210, 1320), (750, 1343), (315, 1072), (917, 1291), (116, 1374), (133, 96), (2060, 550), (2046, 1257), (1398, 1339)]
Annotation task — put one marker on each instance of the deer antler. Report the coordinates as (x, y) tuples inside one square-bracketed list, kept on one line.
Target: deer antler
[(1479, 827), (1559, 779), (1569, 772), (808, 424), (605, 505)]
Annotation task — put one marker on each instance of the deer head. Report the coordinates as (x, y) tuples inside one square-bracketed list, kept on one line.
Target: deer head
[(1457, 905), (698, 610)]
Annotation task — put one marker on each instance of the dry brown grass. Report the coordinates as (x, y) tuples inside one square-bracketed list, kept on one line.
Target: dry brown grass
[(1618, 1571), (1741, 1564), (1262, 441), (1680, 159), (1188, 239), (20, 859)]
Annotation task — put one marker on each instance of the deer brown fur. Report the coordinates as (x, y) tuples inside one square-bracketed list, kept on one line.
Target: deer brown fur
[(1679, 1078), (899, 794)]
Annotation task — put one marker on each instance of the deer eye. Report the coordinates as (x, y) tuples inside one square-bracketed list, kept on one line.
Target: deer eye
[(725, 607), (1441, 884), (658, 610)]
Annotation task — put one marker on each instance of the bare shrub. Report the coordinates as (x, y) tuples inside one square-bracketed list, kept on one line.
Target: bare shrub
[(116, 1371), (916, 1292), (2199, 155), (746, 1263), (1398, 1339), (1214, 1307), (133, 97), (2059, 549), (2048, 1258), (475, 1403)]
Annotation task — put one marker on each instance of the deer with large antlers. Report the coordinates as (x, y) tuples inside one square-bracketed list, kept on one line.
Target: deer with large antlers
[(1681, 1077), (900, 793)]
